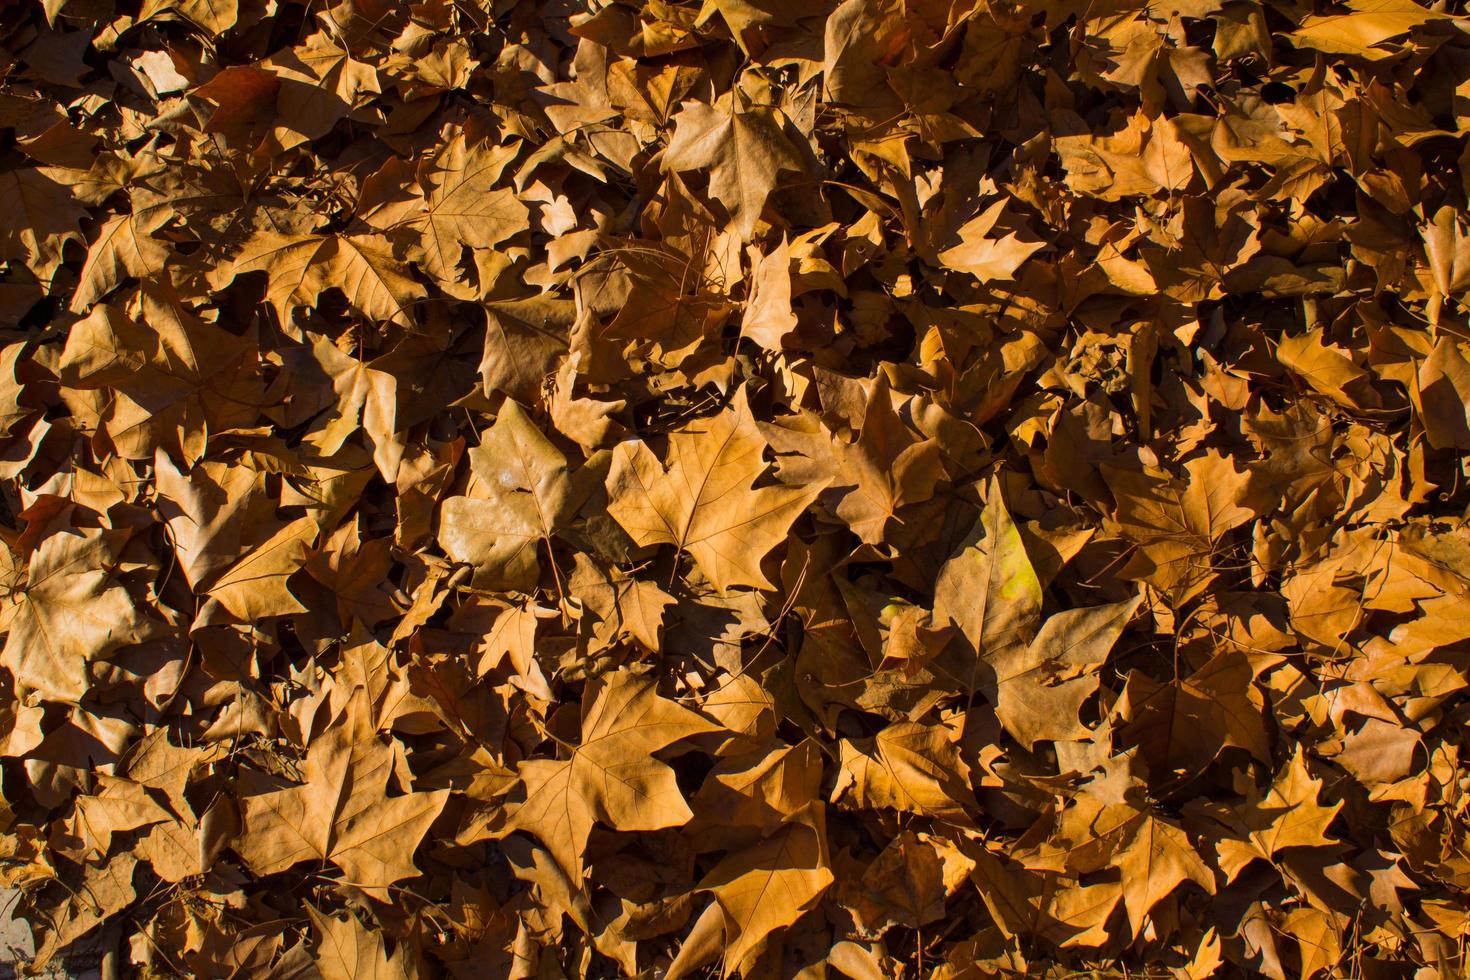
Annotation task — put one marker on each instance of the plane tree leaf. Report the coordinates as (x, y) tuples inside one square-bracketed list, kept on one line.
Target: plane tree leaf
[(70, 612), (701, 498), (610, 775), (341, 814), (874, 488)]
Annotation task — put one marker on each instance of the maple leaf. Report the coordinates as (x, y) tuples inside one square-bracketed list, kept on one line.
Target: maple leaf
[(908, 767), (43, 218), (1034, 695), (526, 494), (703, 501), (888, 466), (989, 588), (771, 885), (743, 150), (622, 604), (70, 613), (1361, 32), (462, 207), (346, 950), (340, 814), (255, 585), (1288, 815), (1181, 726), (988, 259), (300, 267), (768, 318), (1154, 857), (1177, 526), (176, 378), (124, 247), (611, 775)]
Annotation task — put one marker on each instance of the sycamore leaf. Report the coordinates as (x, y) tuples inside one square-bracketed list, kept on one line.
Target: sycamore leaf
[(611, 775), (988, 259), (124, 247), (212, 16), (255, 586), (909, 767), (907, 884), (1443, 389), (1154, 857), (702, 501), (771, 885), (340, 814), (1327, 369), (888, 468), (1039, 689), (768, 318), (1178, 525), (762, 789), (670, 305), (117, 806), (1318, 938), (1288, 815), (175, 380), (1359, 33), (483, 485), (300, 267), (345, 950), (463, 207), (989, 588), (743, 150), (206, 510), (1181, 726), (524, 495), (621, 605), (367, 398), (71, 612), (42, 217)]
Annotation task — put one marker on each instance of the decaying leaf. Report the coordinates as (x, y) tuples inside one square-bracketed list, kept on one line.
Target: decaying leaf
[(938, 490)]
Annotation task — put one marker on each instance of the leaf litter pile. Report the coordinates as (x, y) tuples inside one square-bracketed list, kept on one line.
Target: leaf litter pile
[(872, 489)]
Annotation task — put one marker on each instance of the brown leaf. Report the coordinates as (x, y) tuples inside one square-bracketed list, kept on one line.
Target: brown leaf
[(611, 775), (744, 151), (989, 588), (341, 814), (909, 767), (771, 885), (70, 613), (299, 268), (702, 500)]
